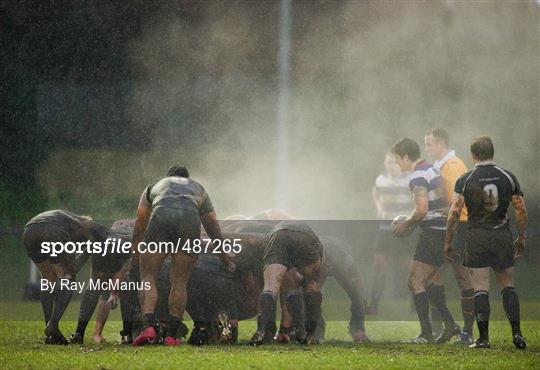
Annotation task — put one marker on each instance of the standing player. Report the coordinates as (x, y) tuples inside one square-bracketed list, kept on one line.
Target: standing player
[(451, 167), (430, 213), (486, 191), (57, 226), (392, 198), (171, 209)]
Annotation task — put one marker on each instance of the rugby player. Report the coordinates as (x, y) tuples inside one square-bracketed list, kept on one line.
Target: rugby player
[(430, 213), (486, 191), (112, 265), (171, 209), (57, 226), (219, 299), (392, 197), (338, 263), (451, 167), (291, 246)]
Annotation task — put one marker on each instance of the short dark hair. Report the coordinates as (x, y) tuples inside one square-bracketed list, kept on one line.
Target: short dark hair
[(482, 148), (178, 171), (406, 147), (440, 134)]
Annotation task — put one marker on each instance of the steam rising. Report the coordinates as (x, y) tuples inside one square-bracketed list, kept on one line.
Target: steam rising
[(363, 74)]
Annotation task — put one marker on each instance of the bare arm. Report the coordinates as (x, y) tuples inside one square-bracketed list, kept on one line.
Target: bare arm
[(458, 202), (211, 225), (141, 222), (376, 201), (521, 217), (420, 197)]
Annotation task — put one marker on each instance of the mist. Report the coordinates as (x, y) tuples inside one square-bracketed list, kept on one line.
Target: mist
[(363, 74)]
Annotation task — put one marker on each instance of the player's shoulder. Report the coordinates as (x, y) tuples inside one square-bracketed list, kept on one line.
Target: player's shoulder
[(381, 180), (505, 171), (465, 175), (423, 170)]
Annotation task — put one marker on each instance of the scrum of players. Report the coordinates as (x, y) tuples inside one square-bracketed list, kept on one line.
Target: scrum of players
[(460, 216)]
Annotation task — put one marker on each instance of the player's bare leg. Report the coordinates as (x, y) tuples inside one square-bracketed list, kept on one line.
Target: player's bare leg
[(273, 277), (102, 314), (150, 264), (61, 297), (181, 268)]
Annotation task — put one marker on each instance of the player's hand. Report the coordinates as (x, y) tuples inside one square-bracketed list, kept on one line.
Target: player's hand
[(402, 229), (519, 248), (230, 263), (113, 301), (449, 252)]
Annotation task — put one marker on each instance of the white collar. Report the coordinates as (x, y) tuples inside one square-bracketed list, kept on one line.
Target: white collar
[(484, 163), (438, 164)]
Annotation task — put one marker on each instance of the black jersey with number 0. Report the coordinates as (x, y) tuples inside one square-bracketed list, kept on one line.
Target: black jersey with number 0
[(488, 190)]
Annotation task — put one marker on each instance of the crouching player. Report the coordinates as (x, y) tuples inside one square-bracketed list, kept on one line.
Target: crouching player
[(487, 190), (57, 226), (338, 263), (291, 246)]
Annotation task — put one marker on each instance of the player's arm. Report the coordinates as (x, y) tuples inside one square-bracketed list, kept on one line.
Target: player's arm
[(521, 217), (351, 282), (119, 276), (458, 202), (213, 230), (420, 198), (144, 210), (376, 200)]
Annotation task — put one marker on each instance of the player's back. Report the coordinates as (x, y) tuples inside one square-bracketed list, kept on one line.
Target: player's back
[(67, 220), (488, 191), (178, 193)]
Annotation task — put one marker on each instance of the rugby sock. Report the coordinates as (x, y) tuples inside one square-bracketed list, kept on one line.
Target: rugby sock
[(62, 297), (128, 304), (421, 303), (313, 301), (47, 300), (438, 299), (511, 307), (434, 314), (467, 308), (174, 324), (267, 310), (481, 312), (296, 309), (88, 305), (376, 291)]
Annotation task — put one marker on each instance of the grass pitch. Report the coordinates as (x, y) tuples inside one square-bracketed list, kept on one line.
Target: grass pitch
[(21, 347)]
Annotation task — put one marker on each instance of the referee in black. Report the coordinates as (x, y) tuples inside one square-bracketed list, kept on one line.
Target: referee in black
[(487, 190)]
